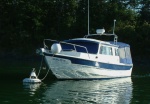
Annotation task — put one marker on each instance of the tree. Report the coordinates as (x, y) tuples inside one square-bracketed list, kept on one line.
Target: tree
[(24, 24), (145, 11)]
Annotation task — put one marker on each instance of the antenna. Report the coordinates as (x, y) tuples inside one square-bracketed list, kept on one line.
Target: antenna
[(88, 18), (114, 27)]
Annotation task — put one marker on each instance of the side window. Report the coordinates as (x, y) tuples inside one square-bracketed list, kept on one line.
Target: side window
[(128, 53), (106, 50), (122, 53), (116, 52), (102, 50)]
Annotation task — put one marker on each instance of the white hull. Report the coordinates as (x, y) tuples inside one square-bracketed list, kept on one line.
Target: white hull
[(64, 69)]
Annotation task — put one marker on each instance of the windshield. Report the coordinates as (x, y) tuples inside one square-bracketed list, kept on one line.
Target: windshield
[(91, 47)]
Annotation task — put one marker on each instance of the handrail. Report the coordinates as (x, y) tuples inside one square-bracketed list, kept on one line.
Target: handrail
[(74, 45)]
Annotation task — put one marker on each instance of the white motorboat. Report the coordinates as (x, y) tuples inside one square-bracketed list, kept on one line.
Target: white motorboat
[(86, 58)]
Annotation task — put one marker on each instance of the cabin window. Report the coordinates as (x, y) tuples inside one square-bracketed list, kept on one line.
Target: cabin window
[(116, 52), (125, 55), (122, 53), (128, 54), (90, 46), (105, 50)]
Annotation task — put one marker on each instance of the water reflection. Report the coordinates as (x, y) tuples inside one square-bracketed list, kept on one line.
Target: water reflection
[(31, 87), (114, 91)]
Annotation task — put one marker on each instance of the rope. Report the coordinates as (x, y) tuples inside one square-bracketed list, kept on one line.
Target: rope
[(40, 70), (40, 67), (45, 75)]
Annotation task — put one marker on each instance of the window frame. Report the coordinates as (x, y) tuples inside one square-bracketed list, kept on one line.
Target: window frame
[(108, 50)]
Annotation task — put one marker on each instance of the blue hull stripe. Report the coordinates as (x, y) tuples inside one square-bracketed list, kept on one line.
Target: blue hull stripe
[(93, 63)]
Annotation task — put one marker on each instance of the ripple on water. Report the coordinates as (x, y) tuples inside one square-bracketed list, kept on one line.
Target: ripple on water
[(96, 91)]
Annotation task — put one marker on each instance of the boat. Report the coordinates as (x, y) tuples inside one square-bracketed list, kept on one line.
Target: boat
[(87, 58)]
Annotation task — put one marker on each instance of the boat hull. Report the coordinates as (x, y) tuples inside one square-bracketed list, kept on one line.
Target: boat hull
[(75, 68)]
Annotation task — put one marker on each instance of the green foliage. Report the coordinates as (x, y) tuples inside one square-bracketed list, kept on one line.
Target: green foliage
[(143, 36), (25, 23), (145, 11)]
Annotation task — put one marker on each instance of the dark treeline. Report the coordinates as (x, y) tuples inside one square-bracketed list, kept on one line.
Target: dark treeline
[(25, 23)]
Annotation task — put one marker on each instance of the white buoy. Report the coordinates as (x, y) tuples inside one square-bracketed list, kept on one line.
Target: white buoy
[(32, 79)]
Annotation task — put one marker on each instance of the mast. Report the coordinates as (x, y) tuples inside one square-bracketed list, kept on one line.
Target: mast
[(88, 18)]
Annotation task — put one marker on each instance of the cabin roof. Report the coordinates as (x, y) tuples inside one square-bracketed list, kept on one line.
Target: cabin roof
[(119, 44), (87, 40)]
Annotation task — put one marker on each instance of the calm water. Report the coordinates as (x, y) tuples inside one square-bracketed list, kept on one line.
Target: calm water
[(135, 90)]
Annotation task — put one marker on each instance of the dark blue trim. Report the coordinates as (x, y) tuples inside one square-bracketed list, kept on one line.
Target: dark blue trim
[(114, 67), (92, 63), (86, 43)]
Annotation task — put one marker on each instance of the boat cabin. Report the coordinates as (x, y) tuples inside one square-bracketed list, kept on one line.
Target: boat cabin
[(105, 51)]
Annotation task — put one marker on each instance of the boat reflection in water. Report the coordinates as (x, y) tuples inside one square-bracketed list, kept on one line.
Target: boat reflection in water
[(113, 91)]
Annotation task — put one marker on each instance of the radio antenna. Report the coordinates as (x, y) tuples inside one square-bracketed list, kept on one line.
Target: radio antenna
[(88, 18)]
